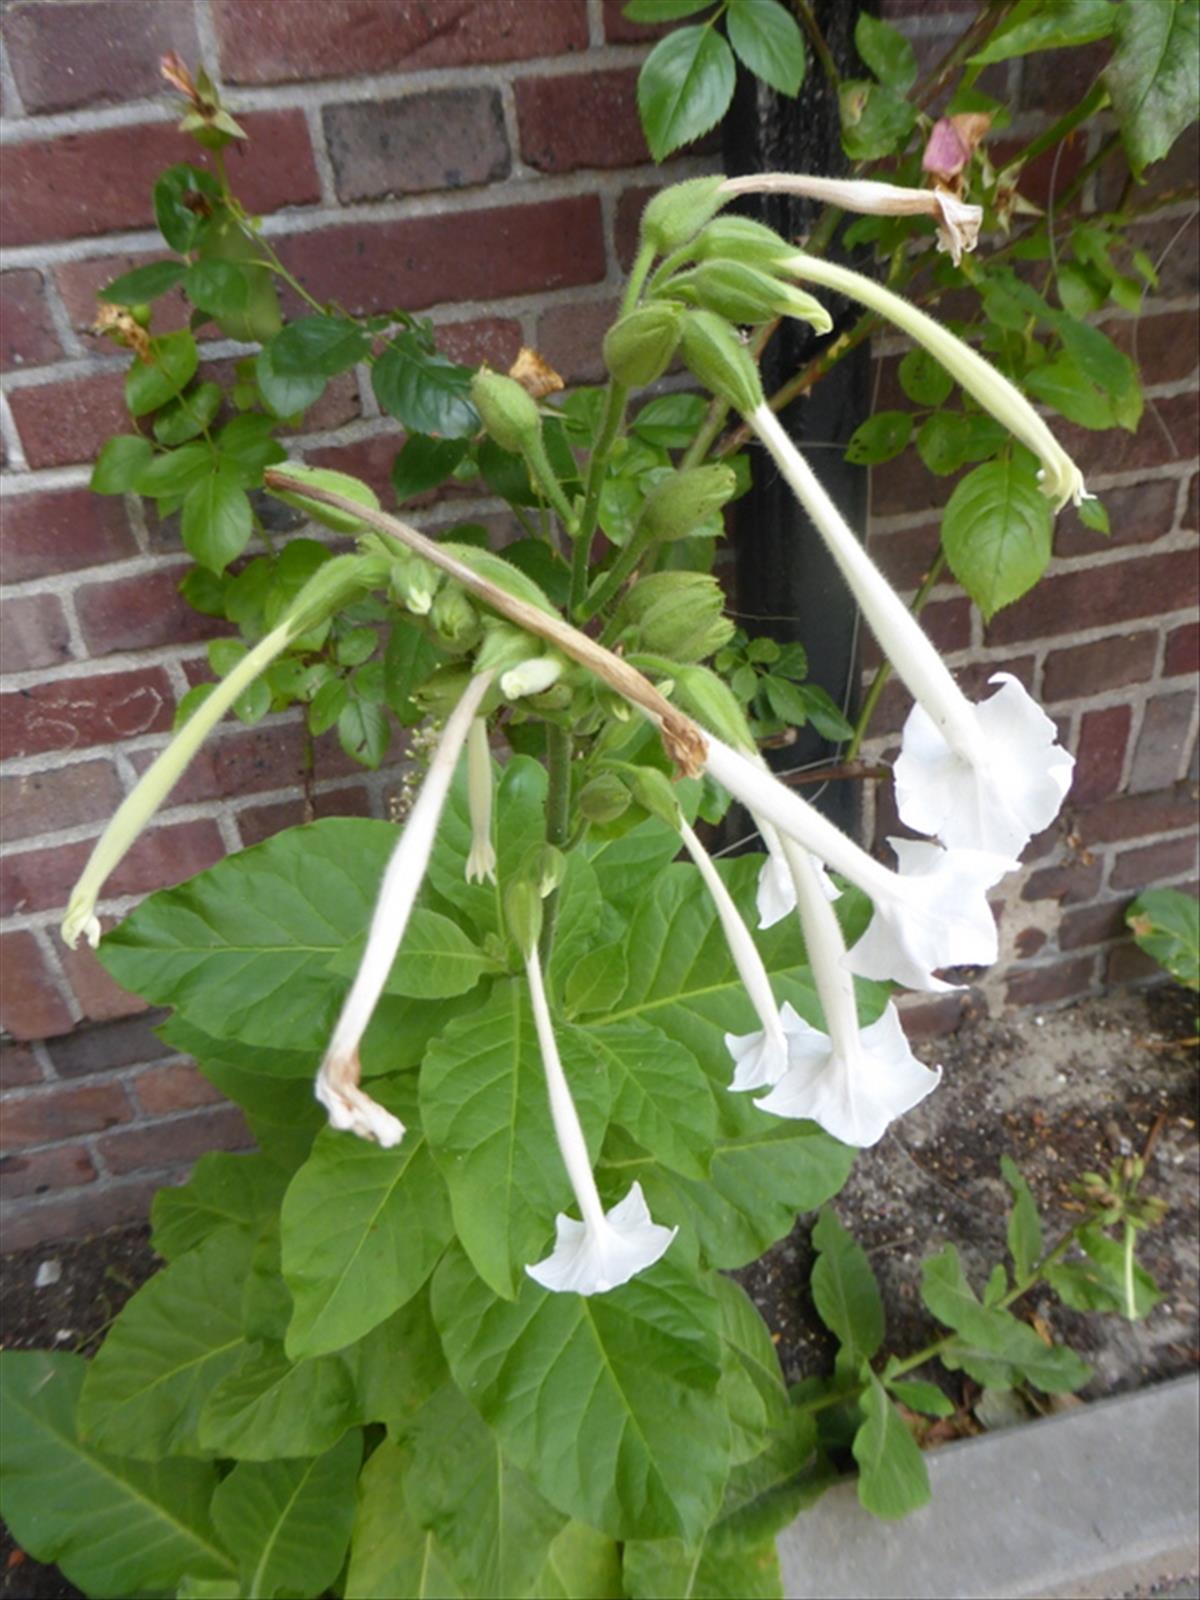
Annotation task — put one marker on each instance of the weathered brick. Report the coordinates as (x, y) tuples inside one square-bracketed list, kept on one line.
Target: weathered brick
[(108, 1047), (905, 557), (178, 1086), (81, 184), (1092, 925), (80, 282), (904, 484), (1128, 964), (1110, 663), (64, 422), (1060, 980), (926, 1017), (19, 1067), (1029, 941), (68, 55), (1174, 173), (1138, 513), (31, 1006), (139, 612), (1166, 434), (1168, 859), (1161, 751), (570, 338), (369, 459), (237, 761), (33, 632), (627, 221), (156, 1145), (1165, 347), (264, 42), (1057, 80), (256, 823), (947, 622), (444, 139), (1070, 883), (44, 802), (1117, 592), (61, 531), (100, 998), (72, 713), (27, 336), (1129, 815), (62, 1113), (495, 340), (1100, 754), (41, 879), (421, 261), (1174, 246), (82, 1215), (67, 1167), (572, 122), (1182, 651)]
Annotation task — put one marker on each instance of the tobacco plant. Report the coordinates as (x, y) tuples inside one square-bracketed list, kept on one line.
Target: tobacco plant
[(525, 1086)]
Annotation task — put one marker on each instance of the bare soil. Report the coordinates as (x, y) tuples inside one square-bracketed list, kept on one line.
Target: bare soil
[(1060, 1093)]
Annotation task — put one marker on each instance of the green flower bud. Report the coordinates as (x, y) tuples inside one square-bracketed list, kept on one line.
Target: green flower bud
[(653, 792), (741, 239), (678, 614), (503, 647), (675, 214), (708, 698), (454, 619), (717, 356), (543, 866), (638, 348), (523, 914), (748, 295), (604, 798), (683, 502), (336, 483), (509, 414), (413, 583)]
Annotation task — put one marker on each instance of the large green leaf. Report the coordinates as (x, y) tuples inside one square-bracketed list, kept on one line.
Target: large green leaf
[(121, 460), (390, 1554), (437, 959), (610, 1402), (886, 51), (753, 1382), (362, 1229), (684, 87), (288, 1522), (150, 384), (425, 392), (1024, 1224), (660, 1093), (844, 1289), (269, 1407), (1165, 923), (223, 1191), (317, 347), (217, 521), (1048, 27), (997, 532), (1154, 75), (398, 1366), (171, 1345), (143, 283), (485, 1110), (768, 40), (113, 1527), (892, 1480), (495, 1527), (520, 824), (581, 1565), (286, 393)]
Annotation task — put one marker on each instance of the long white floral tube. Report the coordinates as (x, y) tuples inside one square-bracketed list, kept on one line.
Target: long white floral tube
[(760, 1058), (337, 1081), (481, 859), (605, 1249), (1060, 478), (958, 222), (984, 777), (156, 783)]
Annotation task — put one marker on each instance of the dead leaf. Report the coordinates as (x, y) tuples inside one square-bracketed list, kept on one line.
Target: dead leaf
[(537, 377)]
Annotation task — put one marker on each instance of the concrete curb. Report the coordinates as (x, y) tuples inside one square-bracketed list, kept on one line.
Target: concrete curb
[(1090, 1503)]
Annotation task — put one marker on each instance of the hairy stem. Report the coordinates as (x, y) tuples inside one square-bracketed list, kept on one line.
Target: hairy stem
[(884, 671), (558, 820)]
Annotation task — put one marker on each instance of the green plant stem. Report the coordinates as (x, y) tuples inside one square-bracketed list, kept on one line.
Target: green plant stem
[(1130, 1296), (558, 820), (816, 38), (616, 575), (1066, 124), (614, 414), (884, 671)]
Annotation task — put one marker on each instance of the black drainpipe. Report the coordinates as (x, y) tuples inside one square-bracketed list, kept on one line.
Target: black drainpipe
[(787, 587)]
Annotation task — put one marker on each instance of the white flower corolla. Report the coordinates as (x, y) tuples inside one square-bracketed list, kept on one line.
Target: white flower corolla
[(939, 916), (608, 1248), (776, 895), (531, 677), (998, 773), (337, 1081), (933, 913), (850, 1081), (760, 1058), (1060, 478), (481, 860), (957, 222), (853, 1094), (1012, 787)]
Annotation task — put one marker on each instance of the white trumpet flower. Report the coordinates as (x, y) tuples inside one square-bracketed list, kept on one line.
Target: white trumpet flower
[(481, 861), (933, 913), (337, 1081), (759, 1058), (850, 1081), (957, 222), (776, 895), (608, 1248), (985, 777)]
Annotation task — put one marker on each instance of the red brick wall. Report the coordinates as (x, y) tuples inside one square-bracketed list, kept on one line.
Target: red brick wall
[(480, 159)]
